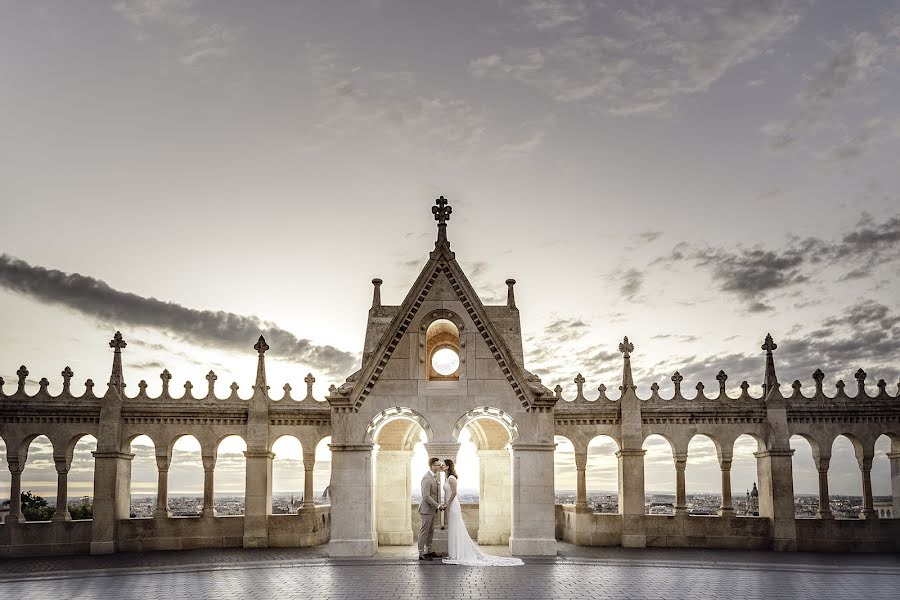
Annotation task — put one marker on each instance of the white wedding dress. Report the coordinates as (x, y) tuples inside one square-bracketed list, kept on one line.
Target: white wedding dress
[(461, 550)]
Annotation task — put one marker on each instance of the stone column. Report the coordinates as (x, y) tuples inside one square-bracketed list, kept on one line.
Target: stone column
[(209, 470), (352, 506), (865, 468), (62, 489), (824, 511), (495, 497), (393, 510), (581, 480), (680, 493), (727, 509), (776, 495), (632, 498), (309, 465), (257, 498), (162, 487), (15, 490), (534, 502), (895, 482), (112, 497)]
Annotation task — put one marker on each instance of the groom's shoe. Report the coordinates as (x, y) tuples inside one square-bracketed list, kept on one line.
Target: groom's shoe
[(424, 557), (432, 555)]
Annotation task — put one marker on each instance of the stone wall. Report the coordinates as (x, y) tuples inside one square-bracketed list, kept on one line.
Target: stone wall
[(585, 528), (45, 538), (469, 513)]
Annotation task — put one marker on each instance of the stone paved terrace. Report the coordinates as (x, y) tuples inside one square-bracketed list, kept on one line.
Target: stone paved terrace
[(576, 573)]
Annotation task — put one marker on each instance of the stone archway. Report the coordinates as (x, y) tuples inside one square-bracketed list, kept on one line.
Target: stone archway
[(394, 433), (492, 432)]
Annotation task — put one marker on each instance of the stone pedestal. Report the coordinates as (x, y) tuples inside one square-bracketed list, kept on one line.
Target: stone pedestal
[(534, 501), (495, 497), (257, 498), (393, 510), (352, 506)]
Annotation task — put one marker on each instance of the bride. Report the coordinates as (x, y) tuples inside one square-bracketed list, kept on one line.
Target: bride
[(461, 549)]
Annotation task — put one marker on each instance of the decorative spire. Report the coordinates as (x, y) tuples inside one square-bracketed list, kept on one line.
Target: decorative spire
[(510, 294), (770, 381), (376, 293), (626, 348), (116, 378), (261, 385), (441, 211)]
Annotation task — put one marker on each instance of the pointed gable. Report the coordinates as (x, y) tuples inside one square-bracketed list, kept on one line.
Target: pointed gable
[(441, 270)]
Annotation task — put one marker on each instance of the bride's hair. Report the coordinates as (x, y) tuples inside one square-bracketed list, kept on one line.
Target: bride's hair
[(451, 470)]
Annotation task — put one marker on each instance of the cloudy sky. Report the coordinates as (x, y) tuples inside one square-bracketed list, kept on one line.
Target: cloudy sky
[(690, 174)]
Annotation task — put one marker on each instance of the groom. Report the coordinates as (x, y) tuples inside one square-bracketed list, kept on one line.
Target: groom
[(429, 508)]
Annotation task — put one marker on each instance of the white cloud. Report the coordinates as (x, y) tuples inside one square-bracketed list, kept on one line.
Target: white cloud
[(657, 54), (353, 96), (199, 38)]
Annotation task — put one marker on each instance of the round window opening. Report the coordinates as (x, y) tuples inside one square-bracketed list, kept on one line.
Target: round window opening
[(445, 361)]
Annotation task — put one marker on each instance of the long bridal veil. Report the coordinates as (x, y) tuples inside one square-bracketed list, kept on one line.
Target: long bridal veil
[(461, 549)]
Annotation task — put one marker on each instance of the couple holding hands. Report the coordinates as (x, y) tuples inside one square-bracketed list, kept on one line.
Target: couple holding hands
[(461, 550)]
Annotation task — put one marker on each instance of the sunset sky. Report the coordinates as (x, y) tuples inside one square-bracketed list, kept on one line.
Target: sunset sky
[(690, 174)]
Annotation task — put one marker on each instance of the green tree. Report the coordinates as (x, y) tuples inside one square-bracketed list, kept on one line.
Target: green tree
[(35, 508), (85, 511)]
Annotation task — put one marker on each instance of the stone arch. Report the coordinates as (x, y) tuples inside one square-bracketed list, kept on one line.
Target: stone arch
[(658, 460), (447, 335), (4, 472), (143, 477), (565, 471), (233, 462), (492, 431), (288, 474), (185, 475), (80, 479), (38, 473), (703, 474), (601, 456), (390, 414), (321, 474), (882, 485), (844, 475), (805, 474), (745, 470), (486, 412)]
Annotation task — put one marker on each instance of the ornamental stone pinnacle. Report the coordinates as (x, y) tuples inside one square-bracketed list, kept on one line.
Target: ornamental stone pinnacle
[(441, 211), (261, 346), (117, 343), (626, 347)]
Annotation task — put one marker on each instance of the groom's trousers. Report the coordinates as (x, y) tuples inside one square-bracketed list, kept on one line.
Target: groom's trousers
[(426, 533)]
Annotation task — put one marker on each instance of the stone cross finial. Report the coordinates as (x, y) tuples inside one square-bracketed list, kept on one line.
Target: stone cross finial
[(744, 387), (626, 347), (332, 389), (579, 383), (840, 386), (654, 387), (211, 378), (88, 387), (44, 383), (860, 376), (677, 379), (67, 375), (558, 391), (188, 386), (721, 376), (22, 373), (441, 211), (601, 388), (117, 343), (234, 388), (769, 344), (166, 378), (261, 346), (310, 380), (882, 386), (142, 386), (699, 387)]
